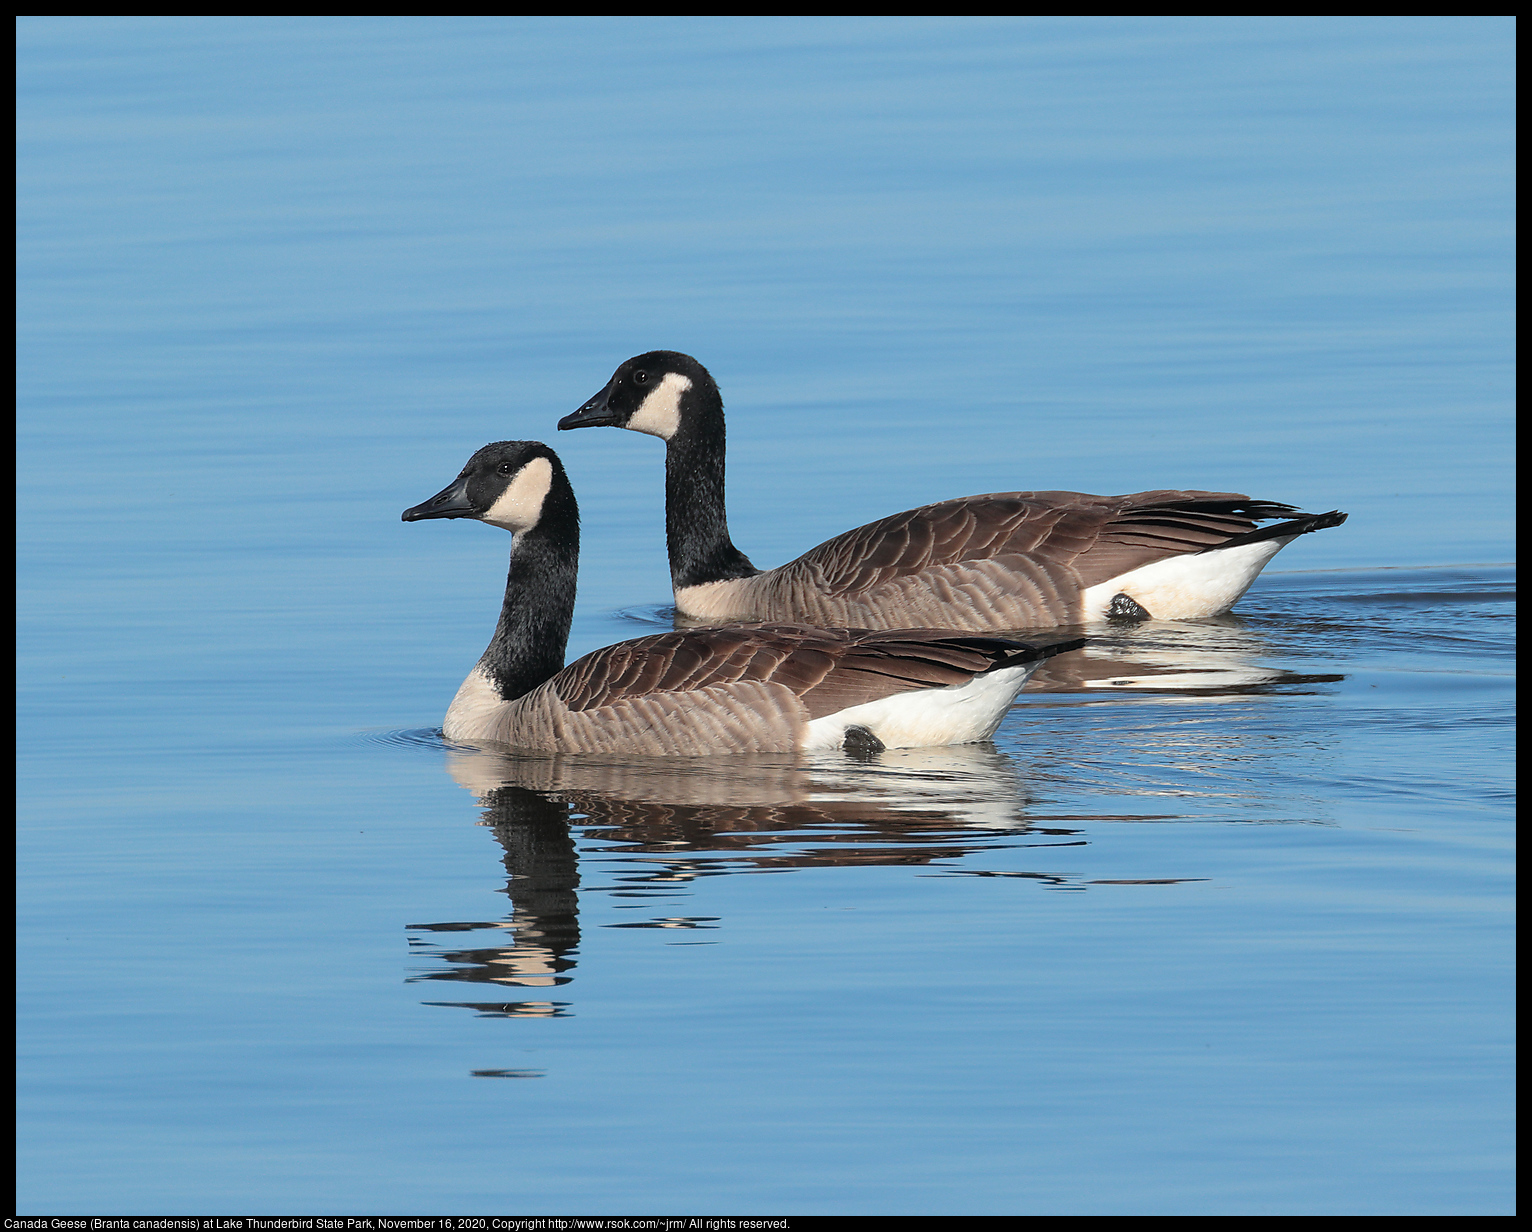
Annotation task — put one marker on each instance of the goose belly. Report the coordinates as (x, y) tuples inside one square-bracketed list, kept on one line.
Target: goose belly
[(957, 714), (1187, 587)]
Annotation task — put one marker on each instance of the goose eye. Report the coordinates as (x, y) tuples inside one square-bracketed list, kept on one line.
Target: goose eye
[(506, 468), (640, 377)]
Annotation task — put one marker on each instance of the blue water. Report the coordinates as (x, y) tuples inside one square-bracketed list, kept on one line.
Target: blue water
[(1219, 924)]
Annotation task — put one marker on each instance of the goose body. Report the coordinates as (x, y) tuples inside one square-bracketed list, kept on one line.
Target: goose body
[(1007, 560), (742, 688)]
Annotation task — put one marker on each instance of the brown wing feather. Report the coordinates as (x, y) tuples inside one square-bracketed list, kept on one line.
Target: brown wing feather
[(1099, 536), (877, 665), (1151, 526), (977, 528), (827, 669), (681, 662)]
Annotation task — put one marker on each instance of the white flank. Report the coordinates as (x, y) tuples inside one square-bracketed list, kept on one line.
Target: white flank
[(660, 413), (714, 600), (957, 714), (521, 504), (1187, 587), (473, 713)]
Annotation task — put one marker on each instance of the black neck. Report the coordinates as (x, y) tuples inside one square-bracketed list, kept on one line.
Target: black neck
[(528, 646), (696, 527)]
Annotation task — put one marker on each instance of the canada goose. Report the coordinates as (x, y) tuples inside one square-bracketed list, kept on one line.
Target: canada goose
[(761, 688), (1009, 560)]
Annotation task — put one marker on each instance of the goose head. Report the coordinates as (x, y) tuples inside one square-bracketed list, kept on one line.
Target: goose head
[(519, 486), (656, 392), (514, 485)]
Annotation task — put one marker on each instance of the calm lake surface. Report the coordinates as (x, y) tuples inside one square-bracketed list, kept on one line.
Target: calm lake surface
[(1221, 921)]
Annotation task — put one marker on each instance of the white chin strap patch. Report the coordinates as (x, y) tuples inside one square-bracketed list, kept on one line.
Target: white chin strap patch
[(660, 413), (521, 504)]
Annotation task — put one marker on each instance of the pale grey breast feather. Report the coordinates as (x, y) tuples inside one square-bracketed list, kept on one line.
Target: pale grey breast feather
[(533, 721), (1005, 592)]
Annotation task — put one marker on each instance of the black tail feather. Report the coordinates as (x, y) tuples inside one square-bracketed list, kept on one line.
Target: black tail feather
[(1028, 654), (1302, 525)]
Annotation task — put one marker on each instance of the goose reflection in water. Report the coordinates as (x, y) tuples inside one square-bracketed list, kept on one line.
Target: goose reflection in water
[(534, 947), (647, 826), (1218, 655)]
